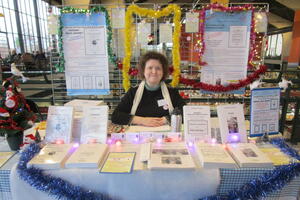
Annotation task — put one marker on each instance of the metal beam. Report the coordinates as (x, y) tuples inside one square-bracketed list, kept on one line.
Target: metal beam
[(18, 22)]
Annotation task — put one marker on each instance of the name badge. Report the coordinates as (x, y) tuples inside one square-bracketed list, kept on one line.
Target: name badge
[(161, 102)]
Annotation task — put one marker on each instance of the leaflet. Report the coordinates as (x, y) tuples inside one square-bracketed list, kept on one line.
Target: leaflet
[(118, 162)]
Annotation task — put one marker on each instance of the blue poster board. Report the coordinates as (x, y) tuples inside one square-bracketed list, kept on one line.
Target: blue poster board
[(264, 112)]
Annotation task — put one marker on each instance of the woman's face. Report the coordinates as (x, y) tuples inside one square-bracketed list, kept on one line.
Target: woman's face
[(153, 72)]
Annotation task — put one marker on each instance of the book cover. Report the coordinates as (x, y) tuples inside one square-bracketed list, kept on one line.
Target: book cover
[(276, 156), (197, 124), (59, 124), (87, 156), (170, 156), (78, 104), (52, 156), (248, 155), (214, 156), (232, 123), (94, 124), (118, 162)]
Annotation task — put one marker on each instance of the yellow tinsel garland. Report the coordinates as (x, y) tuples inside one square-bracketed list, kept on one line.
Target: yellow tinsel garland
[(172, 8)]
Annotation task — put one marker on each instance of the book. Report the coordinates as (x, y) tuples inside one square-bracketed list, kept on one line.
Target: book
[(276, 156), (59, 124), (134, 129), (248, 155), (94, 124), (214, 156), (52, 156), (197, 123), (5, 156), (118, 162), (87, 156), (232, 123), (79, 104), (170, 156)]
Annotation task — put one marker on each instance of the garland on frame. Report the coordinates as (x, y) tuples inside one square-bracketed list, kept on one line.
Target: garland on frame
[(171, 8), (60, 66), (241, 83), (221, 88), (222, 8)]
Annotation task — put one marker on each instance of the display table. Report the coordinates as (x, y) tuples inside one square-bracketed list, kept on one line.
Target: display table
[(154, 184), (140, 185), (5, 192)]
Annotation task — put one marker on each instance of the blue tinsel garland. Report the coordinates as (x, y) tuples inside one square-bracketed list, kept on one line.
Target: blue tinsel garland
[(57, 187), (259, 187), (269, 182)]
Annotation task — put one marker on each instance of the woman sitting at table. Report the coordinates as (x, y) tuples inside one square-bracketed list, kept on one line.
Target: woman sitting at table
[(152, 102)]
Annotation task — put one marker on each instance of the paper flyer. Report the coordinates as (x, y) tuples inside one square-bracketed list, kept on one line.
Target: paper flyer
[(118, 162)]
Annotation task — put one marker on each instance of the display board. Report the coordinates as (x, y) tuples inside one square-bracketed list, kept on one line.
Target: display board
[(265, 103), (85, 53), (230, 33)]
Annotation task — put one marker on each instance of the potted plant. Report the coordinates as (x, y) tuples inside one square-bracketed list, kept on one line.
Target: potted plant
[(15, 113)]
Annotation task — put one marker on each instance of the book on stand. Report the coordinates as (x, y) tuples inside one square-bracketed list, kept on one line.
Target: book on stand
[(59, 124), (94, 124)]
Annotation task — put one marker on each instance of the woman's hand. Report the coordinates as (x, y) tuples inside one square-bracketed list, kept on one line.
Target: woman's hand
[(149, 121)]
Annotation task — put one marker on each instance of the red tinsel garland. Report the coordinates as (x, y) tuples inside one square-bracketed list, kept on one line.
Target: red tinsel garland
[(232, 86)]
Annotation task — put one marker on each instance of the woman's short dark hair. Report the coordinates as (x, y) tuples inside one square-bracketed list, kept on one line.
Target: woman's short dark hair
[(155, 56)]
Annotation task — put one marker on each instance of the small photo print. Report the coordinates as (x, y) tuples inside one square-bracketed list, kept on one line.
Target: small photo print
[(256, 128), (218, 81), (170, 151), (232, 124), (274, 104), (249, 152), (264, 128), (272, 127), (171, 160)]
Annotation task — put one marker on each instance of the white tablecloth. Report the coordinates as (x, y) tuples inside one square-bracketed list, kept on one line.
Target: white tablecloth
[(140, 185)]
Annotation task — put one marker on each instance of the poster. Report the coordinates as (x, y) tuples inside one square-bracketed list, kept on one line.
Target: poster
[(230, 33), (85, 53), (265, 105)]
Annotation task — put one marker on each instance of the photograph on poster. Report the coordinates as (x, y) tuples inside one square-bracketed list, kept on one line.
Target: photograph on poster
[(248, 152), (232, 125), (170, 151), (171, 160)]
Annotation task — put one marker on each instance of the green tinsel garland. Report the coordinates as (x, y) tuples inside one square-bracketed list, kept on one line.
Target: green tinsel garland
[(60, 66)]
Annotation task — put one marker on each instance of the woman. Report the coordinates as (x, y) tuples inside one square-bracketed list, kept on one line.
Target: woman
[(151, 103)]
